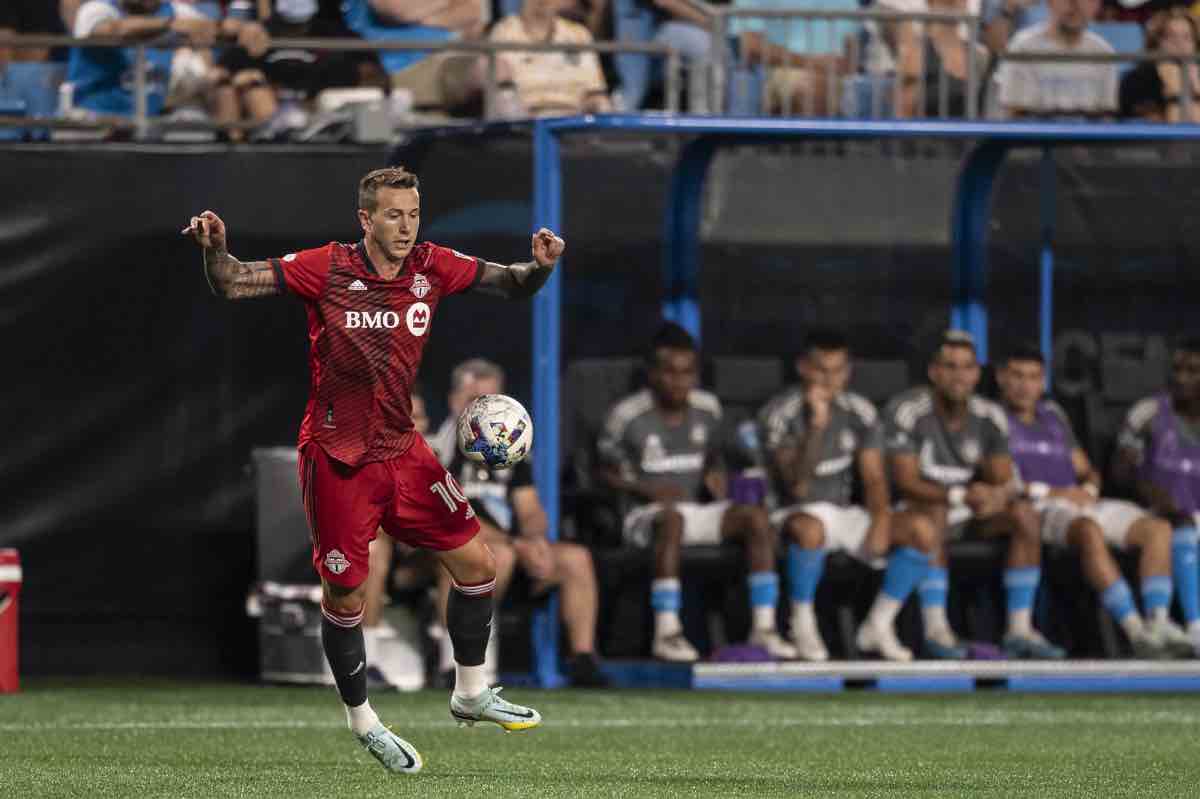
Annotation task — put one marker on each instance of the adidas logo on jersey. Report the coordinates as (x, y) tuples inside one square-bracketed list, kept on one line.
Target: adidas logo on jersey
[(358, 285)]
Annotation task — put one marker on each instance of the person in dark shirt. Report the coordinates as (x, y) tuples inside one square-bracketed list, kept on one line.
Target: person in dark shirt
[(30, 16), (1153, 91)]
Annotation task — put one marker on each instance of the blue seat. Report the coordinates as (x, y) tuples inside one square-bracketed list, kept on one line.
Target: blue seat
[(1125, 37), (11, 107), (34, 86), (508, 7)]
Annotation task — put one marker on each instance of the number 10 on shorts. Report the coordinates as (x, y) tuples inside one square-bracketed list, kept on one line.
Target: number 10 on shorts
[(450, 492)]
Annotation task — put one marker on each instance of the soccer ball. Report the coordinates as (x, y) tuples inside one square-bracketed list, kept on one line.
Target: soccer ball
[(495, 429)]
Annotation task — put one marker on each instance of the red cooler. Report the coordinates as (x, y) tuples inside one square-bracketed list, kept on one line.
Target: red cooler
[(10, 588)]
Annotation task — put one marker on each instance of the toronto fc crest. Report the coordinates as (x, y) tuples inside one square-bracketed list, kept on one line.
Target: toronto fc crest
[(420, 286)]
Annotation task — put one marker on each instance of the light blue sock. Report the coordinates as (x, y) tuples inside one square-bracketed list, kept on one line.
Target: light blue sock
[(1118, 599), (906, 566), (1156, 593), (666, 594), (1020, 586), (804, 568), (764, 589), (934, 587), (1183, 568)]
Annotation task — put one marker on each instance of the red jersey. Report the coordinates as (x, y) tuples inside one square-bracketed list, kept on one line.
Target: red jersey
[(366, 336)]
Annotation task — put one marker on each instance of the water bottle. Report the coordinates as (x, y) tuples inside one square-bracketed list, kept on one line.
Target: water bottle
[(66, 98)]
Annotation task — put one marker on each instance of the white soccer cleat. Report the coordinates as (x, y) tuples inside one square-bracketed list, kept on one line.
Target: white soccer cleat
[(1171, 637), (675, 649), (882, 640), (393, 752), (807, 639), (775, 644), (488, 706)]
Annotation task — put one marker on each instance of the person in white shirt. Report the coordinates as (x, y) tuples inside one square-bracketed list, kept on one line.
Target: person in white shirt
[(552, 83), (1086, 90)]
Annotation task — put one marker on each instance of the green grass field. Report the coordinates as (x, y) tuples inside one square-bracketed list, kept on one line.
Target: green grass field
[(159, 739)]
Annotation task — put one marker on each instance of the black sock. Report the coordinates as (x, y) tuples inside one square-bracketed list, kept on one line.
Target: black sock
[(347, 655), (469, 621)]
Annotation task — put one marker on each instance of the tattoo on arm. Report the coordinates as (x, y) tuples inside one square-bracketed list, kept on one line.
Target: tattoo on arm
[(516, 282), (230, 278)]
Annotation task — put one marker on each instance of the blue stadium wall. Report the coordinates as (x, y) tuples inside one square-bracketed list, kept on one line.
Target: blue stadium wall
[(134, 397)]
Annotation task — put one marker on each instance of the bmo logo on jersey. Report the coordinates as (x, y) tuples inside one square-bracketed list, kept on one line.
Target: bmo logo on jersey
[(372, 319), (417, 318)]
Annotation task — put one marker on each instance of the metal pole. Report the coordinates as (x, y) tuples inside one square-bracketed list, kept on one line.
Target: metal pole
[(547, 306), (674, 67), (140, 101), (489, 86), (718, 66), (1047, 178), (1185, 97), (973, 68)]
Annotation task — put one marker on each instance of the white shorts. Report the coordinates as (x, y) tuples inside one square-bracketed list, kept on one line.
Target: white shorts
[(845, 526), (701, 522), (1114, 516)]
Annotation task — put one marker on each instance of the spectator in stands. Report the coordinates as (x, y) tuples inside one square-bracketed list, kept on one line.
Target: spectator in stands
[(1057, 477), (1158, 454), (1080, 90), (253, 89), (949, 457), (1002, 18), (1154, 90), (819, 438), (514, 524), (660, 448), (591, 14), (27, 16), (552, 83), (804, 56), (102, 77), (919, 60), (439, 80)]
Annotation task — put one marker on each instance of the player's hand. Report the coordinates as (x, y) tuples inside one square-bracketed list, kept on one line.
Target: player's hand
[(547, 248), (536, 557), (879, 535), (208, 230), (984, 499)]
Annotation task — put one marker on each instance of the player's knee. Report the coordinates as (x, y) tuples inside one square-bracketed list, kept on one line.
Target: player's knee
[(805, 531), (669, 524), (344, 600), (1026, 522), (1087, 535), (574, 560)]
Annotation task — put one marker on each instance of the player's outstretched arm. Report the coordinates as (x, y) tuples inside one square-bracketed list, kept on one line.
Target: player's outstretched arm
[(521, 281), (227, 276)]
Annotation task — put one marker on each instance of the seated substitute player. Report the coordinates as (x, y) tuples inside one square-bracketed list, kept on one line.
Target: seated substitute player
[(659, 447), (370, 308), (949, 457), (818, 438), (1058, 478), (1158, 452), (514, 525)]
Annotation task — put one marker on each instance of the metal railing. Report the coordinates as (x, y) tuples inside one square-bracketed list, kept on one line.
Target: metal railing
[(140, 122), (721, 18)]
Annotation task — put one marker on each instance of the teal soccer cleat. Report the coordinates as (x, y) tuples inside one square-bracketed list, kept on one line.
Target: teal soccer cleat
[(395, 753), (488, 706)]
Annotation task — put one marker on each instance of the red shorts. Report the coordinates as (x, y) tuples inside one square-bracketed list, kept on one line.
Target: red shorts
[(412, 497)]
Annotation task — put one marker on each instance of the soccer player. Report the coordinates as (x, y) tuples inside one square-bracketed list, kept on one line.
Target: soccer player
[(659, 447), (1158, 451), (819, 437), (1057, 477), (514, 522), (370, 308), (949, 457)]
